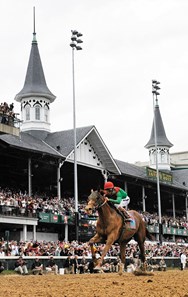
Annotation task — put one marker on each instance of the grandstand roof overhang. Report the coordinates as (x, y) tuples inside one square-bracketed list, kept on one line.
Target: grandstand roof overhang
[(28, 144)]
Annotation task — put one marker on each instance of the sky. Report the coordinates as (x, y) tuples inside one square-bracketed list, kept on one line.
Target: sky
[(126, 44)]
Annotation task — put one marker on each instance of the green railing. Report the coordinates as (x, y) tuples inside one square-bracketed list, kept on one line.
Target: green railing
[(55, 219), (168, 230), (62, 219)]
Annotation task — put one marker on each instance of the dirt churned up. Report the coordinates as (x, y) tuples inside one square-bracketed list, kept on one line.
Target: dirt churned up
[(172, 283)]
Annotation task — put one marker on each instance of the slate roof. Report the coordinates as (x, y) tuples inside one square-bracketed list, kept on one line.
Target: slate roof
[(65, 139), (131, 169), (160, 132), (180, 177), (29, 143), (35, 83)]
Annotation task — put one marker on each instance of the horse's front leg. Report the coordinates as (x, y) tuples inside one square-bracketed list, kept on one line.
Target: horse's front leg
[(95, 239), (109, 242)]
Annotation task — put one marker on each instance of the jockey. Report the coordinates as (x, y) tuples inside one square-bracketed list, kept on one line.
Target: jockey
[(121, 200)]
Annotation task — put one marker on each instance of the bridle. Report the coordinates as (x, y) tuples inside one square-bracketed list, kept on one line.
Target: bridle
[(100, 203)]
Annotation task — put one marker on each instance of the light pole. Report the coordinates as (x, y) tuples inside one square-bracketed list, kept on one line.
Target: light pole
[(75, 41), (155, 92)]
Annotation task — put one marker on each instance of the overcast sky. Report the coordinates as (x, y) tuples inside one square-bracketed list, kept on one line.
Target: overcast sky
[(127, 43)]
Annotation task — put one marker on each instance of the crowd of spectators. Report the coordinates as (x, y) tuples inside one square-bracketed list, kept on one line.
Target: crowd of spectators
[(80, 249), (168, 221), (78, 258), (19, 203), (7, 114)]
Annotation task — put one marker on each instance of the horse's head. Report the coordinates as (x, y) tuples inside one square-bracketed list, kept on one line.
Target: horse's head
[(95, 200)]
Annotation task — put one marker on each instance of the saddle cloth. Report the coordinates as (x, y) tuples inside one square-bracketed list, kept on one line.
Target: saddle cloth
[(131, 224)]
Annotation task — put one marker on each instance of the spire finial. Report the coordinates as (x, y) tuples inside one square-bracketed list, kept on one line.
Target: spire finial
[(34, 20), (34, 33)]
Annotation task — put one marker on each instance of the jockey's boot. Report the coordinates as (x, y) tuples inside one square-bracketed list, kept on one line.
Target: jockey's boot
[(125, 213)]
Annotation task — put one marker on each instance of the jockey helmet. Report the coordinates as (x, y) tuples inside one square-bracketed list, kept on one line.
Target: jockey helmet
[(108, 185)]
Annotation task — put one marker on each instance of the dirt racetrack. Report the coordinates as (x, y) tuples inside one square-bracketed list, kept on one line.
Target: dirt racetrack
[(173, 283)]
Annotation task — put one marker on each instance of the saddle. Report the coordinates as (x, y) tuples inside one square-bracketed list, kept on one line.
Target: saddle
[(131, 225)]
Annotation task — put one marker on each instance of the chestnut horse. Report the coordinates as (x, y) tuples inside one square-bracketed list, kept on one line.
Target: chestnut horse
[(111, 228)]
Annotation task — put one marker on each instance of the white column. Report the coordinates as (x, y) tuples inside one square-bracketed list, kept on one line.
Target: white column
[(125, 187), (186, 206), (59, 181), (143, 199), (29, 177), (174, 211), (66, 232), (173, 206), (34, 233), (105, 175), (24, 232)]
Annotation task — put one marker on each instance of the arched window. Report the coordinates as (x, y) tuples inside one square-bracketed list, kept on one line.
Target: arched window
[(27, 112), (37, 112)]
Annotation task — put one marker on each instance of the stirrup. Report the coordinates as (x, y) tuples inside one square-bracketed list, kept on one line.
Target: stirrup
[(127, 217)]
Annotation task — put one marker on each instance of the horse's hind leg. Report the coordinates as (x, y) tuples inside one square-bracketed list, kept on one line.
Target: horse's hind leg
[(142, 250), (122, 256), (141, 239)]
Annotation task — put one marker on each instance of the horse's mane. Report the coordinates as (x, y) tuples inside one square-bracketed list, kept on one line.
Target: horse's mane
[(115, 208), (111, 204)]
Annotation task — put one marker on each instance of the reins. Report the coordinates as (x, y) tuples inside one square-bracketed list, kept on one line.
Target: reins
[(101, 205)]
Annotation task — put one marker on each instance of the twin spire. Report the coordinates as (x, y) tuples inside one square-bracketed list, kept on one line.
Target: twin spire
[(35, 83), (162, 145), (35, 96)]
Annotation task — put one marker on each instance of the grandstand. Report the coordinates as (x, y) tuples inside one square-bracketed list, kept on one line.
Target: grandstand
[(37, 169)]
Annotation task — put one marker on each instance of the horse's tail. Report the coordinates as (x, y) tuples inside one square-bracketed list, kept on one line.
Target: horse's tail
[(149, 235)]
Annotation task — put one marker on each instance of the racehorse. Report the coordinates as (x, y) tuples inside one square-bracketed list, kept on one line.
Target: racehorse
[(111, 228)]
